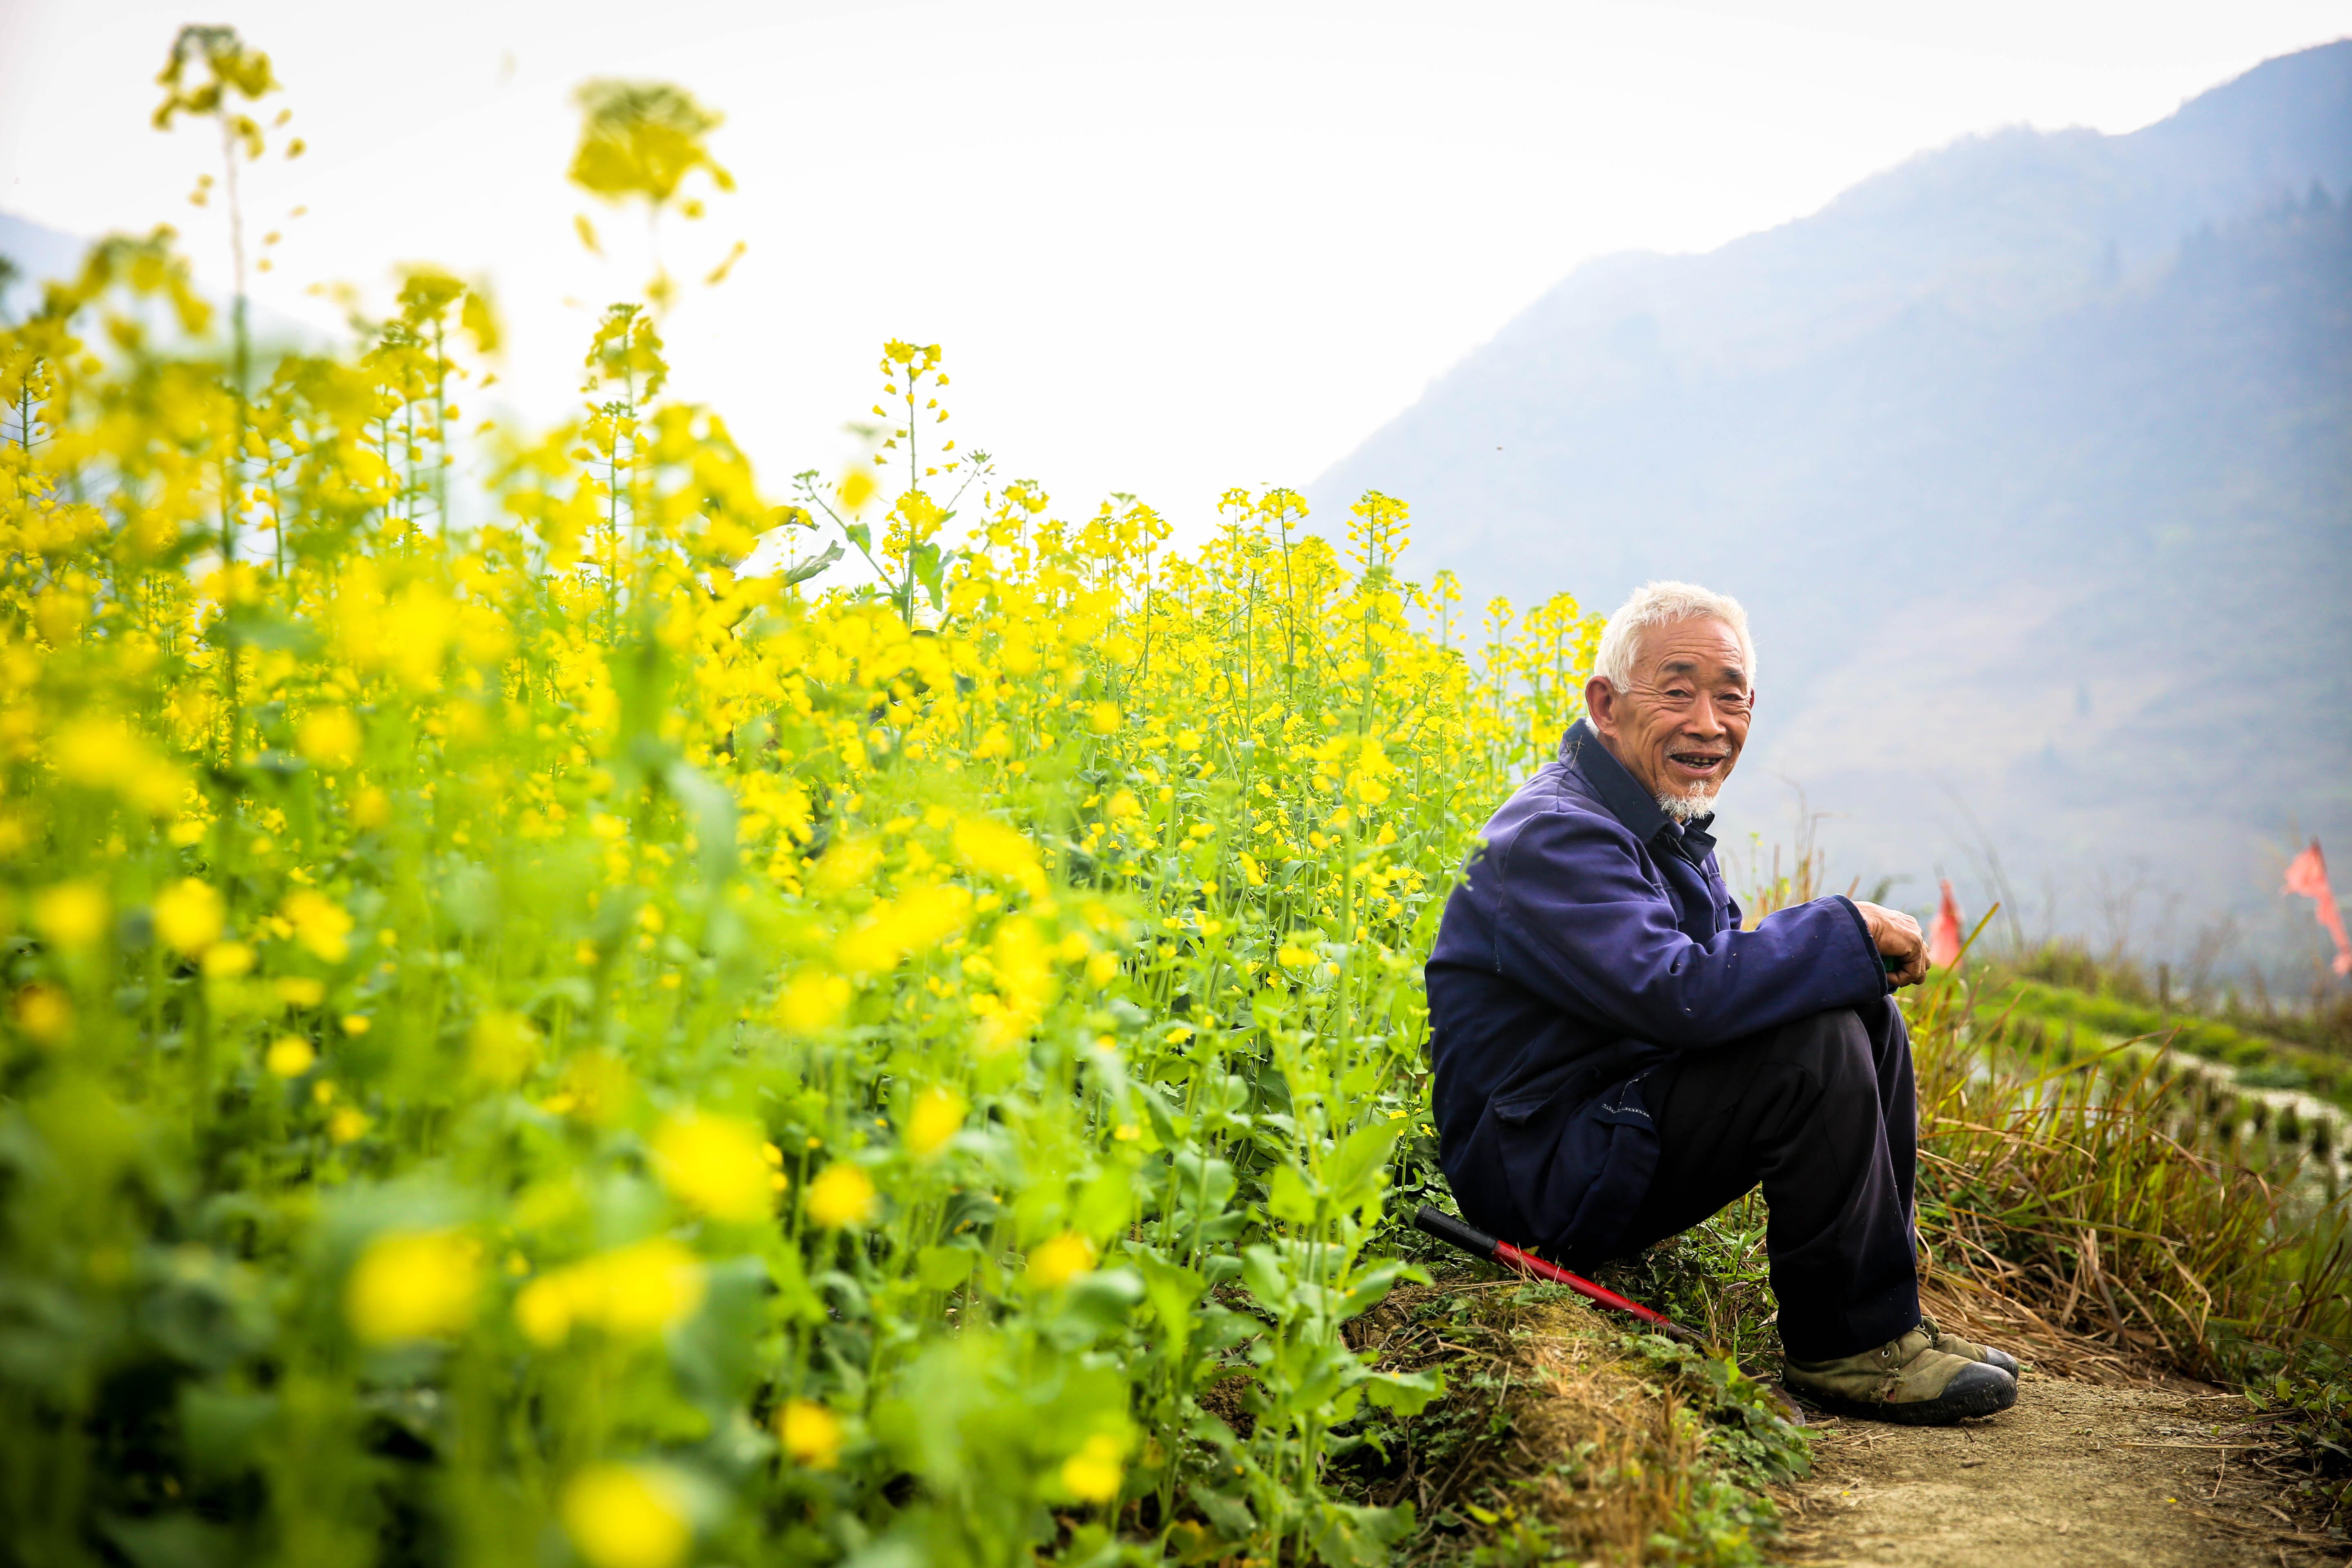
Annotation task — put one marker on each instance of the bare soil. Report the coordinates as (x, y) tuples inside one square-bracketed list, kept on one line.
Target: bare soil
[(2153, 1475)]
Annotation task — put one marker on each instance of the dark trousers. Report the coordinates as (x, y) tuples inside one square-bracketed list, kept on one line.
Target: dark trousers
[(1823, 1113)]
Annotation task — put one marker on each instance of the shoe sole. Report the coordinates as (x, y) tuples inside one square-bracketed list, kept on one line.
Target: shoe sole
[(1985, 1399)]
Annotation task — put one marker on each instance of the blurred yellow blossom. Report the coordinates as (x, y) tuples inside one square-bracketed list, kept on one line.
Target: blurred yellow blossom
[(1056, 1262), (810, 1433), (628, 1516), (329, 737), (414, 1285), (715, 1164), (501, 1047), (290, 1056), (226, 960), (812, 1001), (44, 1012), (841, 1195), (105, 754), (988, 846), (937, 1116), (1092, 1474), (189, 916), (633, 1291), (320, 924), (72, 914)]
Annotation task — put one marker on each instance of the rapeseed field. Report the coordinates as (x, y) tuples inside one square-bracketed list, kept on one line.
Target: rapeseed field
[(615, 1015)]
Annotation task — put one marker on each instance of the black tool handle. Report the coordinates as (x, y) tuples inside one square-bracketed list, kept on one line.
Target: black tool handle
[(1436, 1222)]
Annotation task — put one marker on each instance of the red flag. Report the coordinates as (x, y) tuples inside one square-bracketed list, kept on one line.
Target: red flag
[(1944, 936), (2307, 874)]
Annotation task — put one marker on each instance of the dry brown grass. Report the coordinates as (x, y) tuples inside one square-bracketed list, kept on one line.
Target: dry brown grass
[(1547, 1428)]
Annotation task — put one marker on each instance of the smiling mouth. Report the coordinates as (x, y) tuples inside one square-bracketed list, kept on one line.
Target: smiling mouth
[(1698, 765)]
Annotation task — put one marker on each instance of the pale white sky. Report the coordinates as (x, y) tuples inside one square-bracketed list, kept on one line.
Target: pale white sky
[(1168, 248)]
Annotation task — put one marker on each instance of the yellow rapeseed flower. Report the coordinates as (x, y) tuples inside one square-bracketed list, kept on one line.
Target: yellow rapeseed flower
[(715, 1164), (858, 488), (226, 960), (595, 1086), (1092, 1474), (290, 1056), (330, 738), (44, 1012), (188, 916), (106, 755), (810, 1433), (1053, 1264), (937, 1116), (628, 1516), (1103, 719), (634, 1292), (841, 1195), (320, 924), (412, 1285), (72, 914), (895, 928), (985, 845), (849, 864), (371, 807), (501, 1047), (812, 1001)]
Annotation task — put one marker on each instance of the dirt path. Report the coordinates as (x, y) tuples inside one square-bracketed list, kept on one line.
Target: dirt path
[(2076, 1473)]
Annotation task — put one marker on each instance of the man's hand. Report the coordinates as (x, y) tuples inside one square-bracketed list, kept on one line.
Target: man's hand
[(1898, 937)]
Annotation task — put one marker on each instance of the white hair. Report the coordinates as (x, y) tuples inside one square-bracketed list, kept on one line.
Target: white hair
[(1662, 604)]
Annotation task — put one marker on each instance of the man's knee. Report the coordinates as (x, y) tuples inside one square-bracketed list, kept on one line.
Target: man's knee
[(1836, 1050)]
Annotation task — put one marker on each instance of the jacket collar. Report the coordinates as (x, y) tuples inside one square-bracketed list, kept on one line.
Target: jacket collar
[(1627, 801)]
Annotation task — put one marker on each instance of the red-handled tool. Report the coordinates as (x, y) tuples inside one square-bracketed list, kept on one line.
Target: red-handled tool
[(1436, 1222)]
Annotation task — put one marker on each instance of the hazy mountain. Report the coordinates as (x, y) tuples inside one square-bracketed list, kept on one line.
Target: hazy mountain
[(38, 254), (2032, 459), (41, 254)]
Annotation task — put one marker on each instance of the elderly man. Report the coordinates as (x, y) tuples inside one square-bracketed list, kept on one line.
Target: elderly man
[(1616, 1059)]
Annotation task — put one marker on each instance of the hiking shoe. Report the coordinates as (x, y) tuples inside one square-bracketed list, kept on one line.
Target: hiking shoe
[(1952, 1344), (1908, 1381)]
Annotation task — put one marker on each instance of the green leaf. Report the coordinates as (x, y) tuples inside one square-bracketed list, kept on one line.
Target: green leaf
[(1360, 1537), (944, 1267), (711, 809), (1105, 1202), (255, 625), (1404, 1392), (1231, 1515), (1173, 1290), (1261, 1277), (812, 567), (1288, 1197), (1353, 1174)]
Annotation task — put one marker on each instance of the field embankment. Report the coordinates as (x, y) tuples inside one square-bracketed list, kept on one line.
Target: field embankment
[(2169, 1279)]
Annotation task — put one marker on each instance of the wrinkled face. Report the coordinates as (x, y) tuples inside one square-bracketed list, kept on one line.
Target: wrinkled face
[(1678, 725)]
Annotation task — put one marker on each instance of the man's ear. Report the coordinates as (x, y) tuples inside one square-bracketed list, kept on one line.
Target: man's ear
[(1600, 705)]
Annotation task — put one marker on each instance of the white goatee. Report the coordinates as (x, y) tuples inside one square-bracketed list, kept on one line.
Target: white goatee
[(1686, 808)]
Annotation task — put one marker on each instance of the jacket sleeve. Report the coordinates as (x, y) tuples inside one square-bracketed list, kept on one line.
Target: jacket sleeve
[(1580, 923)]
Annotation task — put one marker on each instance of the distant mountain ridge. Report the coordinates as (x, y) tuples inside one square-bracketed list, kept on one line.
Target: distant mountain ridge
[(42, 255), (2032, 458)]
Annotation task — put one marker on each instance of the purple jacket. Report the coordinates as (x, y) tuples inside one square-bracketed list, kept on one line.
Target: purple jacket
[(1590, 939)]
